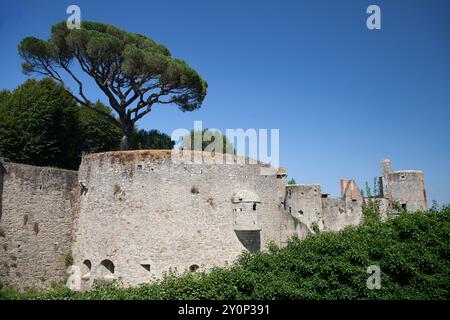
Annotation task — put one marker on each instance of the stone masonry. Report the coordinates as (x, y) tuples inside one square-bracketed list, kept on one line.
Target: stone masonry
[(134, 215), (36, 221)]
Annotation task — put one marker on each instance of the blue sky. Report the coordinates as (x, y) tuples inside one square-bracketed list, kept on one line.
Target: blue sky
[(344, 97)]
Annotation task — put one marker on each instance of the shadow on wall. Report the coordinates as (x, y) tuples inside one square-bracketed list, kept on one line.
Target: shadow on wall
[(250, 239)]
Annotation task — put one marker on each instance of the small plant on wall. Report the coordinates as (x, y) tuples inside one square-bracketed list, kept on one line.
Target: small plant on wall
[(68, 259), (25, 219), (117, 189), (36, 228), (315, 228)]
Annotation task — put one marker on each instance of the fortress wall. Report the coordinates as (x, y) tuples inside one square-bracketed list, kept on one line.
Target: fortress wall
[(292, 226), (407, 187), (147, 214), (138, 214), (305, 203), (310, 206), (337, 214), (344, 211), (36, 222)]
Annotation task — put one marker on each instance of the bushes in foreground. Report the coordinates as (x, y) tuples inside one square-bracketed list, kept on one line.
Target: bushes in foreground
[(411, 250)]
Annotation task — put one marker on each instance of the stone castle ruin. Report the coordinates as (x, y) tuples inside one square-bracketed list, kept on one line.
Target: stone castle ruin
[(133, 215)]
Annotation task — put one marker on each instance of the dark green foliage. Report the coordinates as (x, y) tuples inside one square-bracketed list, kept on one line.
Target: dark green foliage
[(97, 134), (291, 181), (412, 251), (208, 138), (152, 139), (39, 125)]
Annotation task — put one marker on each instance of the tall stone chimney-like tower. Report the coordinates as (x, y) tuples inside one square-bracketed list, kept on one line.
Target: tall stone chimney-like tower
[(386, 169)]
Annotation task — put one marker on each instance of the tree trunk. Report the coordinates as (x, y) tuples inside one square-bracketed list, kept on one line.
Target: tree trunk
[(126, 138)]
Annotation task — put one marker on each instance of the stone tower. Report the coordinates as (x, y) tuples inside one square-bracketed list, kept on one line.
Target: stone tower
[(405, 187)]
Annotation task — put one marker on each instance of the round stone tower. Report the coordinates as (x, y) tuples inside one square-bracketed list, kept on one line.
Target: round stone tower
[(142, 213)]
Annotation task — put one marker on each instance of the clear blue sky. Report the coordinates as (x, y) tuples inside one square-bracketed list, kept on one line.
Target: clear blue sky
[(343, 97)]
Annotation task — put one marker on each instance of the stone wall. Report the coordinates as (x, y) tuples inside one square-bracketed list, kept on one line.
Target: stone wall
[(305, 203), (36, 223), (338, 214), (312, 207), (408, 190), (143, 214), (134, 215), (405, 187)]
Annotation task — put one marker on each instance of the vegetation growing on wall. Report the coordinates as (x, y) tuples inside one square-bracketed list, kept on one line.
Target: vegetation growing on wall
[(35, 228), (68, 259), (117, 188), (411, 251), (315, 227), (296, 222)]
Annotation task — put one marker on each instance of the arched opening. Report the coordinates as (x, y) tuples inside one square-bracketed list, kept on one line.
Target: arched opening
[(193, 268), (88, 264), (86, 268), (254, 206), (106, 269)]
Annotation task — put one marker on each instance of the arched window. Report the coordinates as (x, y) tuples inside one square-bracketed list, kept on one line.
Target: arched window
[(106, 269), (88, 264), (193, 268), (86, 268)]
